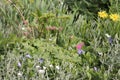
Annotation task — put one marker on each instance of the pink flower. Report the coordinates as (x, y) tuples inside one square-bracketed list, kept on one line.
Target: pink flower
[(79, 46)]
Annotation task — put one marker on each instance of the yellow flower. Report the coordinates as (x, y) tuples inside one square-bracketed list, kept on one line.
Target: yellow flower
[(102, 14), (114, 17)]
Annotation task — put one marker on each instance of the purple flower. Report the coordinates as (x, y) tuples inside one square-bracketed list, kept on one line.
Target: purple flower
[(80, 51), (19, 64), (28, 56), (110, 40), (41, 60)]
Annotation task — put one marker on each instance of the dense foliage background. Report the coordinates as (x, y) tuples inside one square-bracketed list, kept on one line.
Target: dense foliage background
[(59, 40), (89, 8)]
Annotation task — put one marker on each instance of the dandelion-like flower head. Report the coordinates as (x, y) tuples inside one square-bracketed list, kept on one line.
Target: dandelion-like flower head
[(102, 14)]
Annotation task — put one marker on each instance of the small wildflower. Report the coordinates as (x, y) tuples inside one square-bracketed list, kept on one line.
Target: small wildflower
[(28, 56), (107, 35), (37, 66), (41, 60), (102, 14), (51, 65), (50, 39), (19, 64), (71, 37), (114, 17), (100, 53), (19, 74), (110, 40), (61, 2), (57, 67), (80, 51), (79, 46), (23, 28), (44, 67), (95, 68), (41, 71)]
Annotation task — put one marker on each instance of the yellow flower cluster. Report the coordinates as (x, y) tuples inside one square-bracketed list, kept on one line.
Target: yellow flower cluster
[(102, 14), (113, 17)]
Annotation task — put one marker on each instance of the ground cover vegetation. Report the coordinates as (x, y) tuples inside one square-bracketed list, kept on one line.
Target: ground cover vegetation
[(59, 40)]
